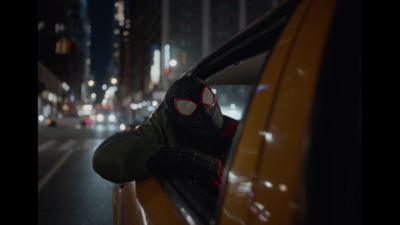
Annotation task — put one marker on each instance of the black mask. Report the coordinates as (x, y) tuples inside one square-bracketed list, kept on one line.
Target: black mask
[(194, 107)]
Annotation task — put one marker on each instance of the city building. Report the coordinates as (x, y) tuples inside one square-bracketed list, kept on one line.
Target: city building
[(157, 41), (63, 52)]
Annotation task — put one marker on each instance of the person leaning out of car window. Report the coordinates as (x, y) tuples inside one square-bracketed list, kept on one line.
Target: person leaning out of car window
[(186, 133)]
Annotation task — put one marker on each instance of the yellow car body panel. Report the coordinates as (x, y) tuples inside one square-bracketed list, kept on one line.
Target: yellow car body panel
[(239, 190), (263, 180)]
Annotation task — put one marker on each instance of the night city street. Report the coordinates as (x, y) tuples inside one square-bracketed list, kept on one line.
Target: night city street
[(192, 112), (69, 191)]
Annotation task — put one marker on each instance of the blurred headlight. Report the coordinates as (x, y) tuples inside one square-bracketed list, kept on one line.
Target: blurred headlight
[(122, 127), (100, 117), (111, 118)]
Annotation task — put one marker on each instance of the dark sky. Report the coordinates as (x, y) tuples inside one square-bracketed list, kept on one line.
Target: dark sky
[(100, 15)]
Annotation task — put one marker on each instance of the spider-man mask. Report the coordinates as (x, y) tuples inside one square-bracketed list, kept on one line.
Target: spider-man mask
[(195, 108)]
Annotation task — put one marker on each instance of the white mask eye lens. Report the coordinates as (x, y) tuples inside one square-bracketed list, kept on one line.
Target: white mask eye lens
[(185, 107), (207, 96)]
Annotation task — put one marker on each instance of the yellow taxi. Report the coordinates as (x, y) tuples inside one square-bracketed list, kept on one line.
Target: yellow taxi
[(292, 78)]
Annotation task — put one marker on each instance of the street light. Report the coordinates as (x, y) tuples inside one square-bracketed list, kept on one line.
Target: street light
[(113, 80), (90, 83), (173, 63)]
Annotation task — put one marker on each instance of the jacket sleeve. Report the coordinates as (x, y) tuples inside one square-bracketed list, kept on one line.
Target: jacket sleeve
[(122, 157)]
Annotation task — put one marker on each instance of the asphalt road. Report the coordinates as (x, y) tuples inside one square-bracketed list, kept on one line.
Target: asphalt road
[(69, 191)]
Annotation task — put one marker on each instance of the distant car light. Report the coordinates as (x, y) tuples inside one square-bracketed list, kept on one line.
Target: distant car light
[(122, 127), (100, 117), (111, 118)]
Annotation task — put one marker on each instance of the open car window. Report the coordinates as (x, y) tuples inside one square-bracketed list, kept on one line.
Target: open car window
[(233, 96)]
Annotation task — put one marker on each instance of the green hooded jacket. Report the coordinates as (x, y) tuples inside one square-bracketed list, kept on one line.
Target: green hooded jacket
[(122, 157)]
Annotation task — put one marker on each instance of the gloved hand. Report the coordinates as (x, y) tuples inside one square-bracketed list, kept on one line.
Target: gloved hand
[(209, 168)]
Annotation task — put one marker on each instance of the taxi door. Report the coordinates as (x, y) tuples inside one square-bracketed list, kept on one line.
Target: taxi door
[(263, 180)]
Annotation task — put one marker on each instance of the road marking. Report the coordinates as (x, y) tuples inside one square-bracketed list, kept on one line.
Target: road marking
[(67, 145), (53, 170), (46, 145)]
